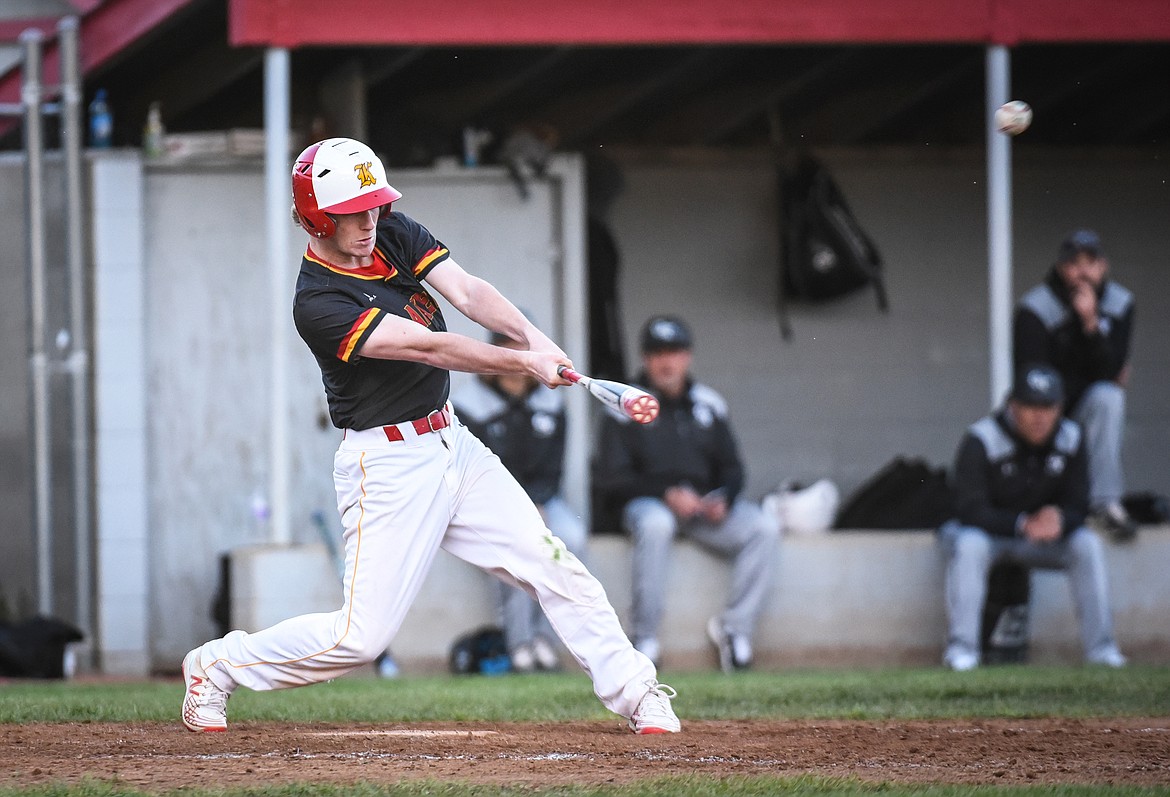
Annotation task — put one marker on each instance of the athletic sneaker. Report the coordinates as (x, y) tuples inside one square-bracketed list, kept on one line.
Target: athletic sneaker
[(546, 656), (204, 703), (386, 666), (654, 714), (735, 650), (523, 659), (1112, 519), (1108, 657), (960, 660)]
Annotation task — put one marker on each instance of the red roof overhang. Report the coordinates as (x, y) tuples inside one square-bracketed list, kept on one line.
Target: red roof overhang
[(300, 23), (106, 28), (10, 29)]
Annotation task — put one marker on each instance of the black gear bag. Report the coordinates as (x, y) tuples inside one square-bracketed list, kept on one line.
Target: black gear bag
[(480, 652), (907, 493), (824, 251), (38, 647)]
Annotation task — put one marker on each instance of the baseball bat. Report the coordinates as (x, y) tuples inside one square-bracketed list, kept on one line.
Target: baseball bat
[(635, 404)]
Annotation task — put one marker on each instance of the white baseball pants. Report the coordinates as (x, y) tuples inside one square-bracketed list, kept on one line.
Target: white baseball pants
[(520, 618), (399, 503)]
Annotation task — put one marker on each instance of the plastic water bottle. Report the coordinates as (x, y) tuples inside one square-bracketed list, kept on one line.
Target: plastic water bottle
[(474, 140), (152, 134), (101, 121)]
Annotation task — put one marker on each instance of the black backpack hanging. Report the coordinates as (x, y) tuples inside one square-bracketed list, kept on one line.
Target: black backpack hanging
[(825, 253)]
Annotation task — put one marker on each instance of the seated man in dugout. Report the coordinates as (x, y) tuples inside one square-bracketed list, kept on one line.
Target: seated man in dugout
[(1022, 496), (682, 475), (1080, 321)]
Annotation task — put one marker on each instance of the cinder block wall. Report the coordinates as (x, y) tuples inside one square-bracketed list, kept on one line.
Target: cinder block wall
[(698, 234)]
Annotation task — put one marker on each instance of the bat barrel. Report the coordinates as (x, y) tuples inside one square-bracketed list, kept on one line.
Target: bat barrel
[(635, 404), (640, 406)]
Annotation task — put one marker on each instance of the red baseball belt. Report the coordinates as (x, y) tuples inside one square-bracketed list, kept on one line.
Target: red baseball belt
[(439, 419)]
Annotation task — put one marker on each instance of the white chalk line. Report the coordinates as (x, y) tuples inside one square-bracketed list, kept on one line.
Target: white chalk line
[(371, 755)]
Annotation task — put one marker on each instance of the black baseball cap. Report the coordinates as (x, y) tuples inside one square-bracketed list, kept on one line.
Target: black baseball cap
[(1038, 385), (1079, 241), (665, 333)]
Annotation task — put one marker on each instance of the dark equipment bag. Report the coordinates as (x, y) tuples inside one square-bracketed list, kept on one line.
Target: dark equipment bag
[(906, 493), (1147, 507), (482, 651), (36, 648), (825, 253)]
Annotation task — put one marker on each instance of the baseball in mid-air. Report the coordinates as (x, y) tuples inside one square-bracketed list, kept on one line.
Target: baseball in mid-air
[(1013, 118)]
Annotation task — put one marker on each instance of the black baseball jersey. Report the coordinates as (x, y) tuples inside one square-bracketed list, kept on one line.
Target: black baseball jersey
[(690, 442), (336, 309), (1048, 330), (998, 476)]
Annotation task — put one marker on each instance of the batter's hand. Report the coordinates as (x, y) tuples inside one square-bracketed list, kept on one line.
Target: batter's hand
[(543, 366)]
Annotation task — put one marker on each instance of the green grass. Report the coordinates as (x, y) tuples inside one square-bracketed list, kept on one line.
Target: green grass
[(926, 693), (893, 694)]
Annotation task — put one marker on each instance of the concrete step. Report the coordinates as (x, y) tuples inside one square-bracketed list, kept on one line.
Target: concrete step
[(844, 598)]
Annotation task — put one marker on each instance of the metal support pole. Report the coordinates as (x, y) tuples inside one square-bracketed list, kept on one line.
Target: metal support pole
[(999, 226), (79, 356), (34, 147), (277, 196)]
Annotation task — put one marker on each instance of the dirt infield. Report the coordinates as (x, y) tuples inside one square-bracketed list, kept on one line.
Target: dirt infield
[(155, 756)]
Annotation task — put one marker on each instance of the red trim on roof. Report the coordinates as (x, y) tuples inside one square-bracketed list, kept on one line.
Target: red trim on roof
[(117, 23), (10, 29), (1073, 21), (297, 23), (107, 29)]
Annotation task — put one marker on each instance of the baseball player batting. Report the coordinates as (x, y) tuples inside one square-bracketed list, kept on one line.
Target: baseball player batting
[(410, 477)]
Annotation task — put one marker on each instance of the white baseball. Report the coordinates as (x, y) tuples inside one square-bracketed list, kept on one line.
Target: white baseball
[(1013, 118)]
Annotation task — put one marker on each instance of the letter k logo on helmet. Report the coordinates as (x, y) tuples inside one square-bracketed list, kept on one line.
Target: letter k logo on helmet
[(365, 178), (323, 183)]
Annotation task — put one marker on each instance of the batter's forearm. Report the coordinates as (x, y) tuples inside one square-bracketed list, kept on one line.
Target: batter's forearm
[(483, 303), (400, 339), (455, 352)]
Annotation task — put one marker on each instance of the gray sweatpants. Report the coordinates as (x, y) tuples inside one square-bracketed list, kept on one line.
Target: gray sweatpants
[(971, 552), (748, 537), (1101, 412)]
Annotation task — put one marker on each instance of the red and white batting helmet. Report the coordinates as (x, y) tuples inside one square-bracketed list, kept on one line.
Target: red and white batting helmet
[(338, 175)]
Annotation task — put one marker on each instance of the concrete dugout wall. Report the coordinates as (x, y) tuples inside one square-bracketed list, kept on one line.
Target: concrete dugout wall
[(698, 237), (855, 387)]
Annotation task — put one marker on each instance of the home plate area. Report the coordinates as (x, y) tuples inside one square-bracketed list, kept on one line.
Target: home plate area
[(161, 757)]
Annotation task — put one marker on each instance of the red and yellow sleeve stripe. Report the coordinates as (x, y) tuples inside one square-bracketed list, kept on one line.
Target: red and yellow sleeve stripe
[(350, 341), (429, 258)]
